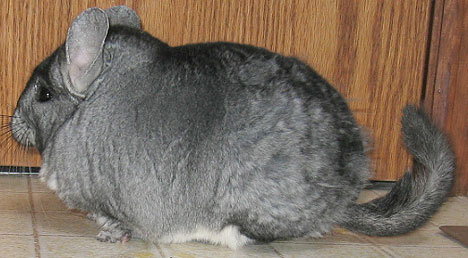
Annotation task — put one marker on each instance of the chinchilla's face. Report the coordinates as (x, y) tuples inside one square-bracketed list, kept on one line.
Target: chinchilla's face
[(61, 82), (44, 104)]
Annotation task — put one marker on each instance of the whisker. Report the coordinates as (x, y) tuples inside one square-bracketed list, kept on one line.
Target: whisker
[(19, 154), (17, 151), (5, 130), (5, 149), (24, 156), (6, 120), (9, 138), (24, 153), (5, 126), (6, 152), (6, 133), (8, 143), (30, 168), (7, 117), (13, 149), (17, 157)]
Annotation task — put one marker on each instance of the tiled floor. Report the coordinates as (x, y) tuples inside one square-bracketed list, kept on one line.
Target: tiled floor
[(34, 223)]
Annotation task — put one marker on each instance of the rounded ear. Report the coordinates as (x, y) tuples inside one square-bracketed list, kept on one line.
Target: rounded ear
[(84, 49), (122, 15)]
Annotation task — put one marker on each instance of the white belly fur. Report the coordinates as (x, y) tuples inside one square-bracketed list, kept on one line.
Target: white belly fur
[(228, 236)]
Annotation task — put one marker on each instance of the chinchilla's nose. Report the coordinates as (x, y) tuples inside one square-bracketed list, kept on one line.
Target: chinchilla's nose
[(21, 131)]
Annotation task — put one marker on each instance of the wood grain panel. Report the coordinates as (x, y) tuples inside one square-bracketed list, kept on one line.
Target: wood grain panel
[(372, 51), (447, 91)]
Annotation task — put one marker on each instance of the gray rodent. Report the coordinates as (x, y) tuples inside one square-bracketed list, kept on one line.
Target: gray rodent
[(217, 142)]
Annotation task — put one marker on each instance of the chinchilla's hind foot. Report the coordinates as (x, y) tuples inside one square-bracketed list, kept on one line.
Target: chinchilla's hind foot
[(111, 229)]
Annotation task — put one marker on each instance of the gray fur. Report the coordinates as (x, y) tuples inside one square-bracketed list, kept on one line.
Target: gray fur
[(123, 16), (218, 142)]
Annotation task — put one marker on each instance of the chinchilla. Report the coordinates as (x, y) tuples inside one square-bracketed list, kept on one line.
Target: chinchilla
[(217, 142)]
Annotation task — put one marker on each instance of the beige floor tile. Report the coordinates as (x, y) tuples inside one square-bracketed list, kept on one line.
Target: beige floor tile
[(428, 252), (15, 202), (295, 250), (87, 247), (429, 226), (464, 199), (337, 236), (45, 202), (453, 212), (39, 187), (380, 193), (14, 222), (14, 184), (201, 250), (432, 237), (16, 246), (65, 224), (367, 195)]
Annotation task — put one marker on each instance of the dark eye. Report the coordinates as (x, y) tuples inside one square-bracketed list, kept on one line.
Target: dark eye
[(43, 94)]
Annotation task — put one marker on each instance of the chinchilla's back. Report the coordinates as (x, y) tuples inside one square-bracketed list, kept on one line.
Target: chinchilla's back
[(218, 130)]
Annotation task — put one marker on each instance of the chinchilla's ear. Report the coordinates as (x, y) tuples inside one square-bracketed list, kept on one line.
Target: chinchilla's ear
[(122, 15), (84, 49)]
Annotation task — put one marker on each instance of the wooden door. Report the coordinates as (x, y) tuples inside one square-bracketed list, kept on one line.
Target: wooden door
[(372, 51), (446, 94)]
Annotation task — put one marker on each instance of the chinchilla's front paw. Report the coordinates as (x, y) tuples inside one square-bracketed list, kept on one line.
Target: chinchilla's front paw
[(92, 216), (111, 229), (113, 236)]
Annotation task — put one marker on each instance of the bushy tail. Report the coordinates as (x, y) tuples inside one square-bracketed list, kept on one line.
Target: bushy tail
[(417, 195)]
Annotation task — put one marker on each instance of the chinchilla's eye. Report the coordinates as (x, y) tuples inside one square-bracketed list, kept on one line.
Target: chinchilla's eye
[(43, 94)]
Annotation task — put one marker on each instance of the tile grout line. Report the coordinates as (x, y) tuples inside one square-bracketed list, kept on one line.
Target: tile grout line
[(276, 251), (386, 251), (160, 251), (37, 248), (14, 234), (375, 245)]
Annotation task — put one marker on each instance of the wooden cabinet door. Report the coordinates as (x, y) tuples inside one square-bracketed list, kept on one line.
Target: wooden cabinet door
[(372, 51)]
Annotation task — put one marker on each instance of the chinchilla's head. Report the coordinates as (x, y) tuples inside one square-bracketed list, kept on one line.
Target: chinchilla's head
[(62, 81)]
